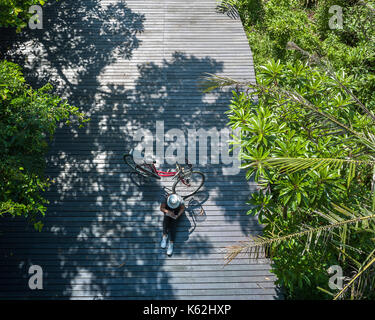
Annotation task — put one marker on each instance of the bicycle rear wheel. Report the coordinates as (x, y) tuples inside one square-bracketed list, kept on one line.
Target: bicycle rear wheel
[(189, 185), (142, 170)]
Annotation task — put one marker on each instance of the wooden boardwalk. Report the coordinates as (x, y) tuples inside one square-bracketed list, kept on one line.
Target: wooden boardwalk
[(129, 64)]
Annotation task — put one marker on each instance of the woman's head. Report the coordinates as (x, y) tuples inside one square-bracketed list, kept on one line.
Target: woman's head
[(174, 201)]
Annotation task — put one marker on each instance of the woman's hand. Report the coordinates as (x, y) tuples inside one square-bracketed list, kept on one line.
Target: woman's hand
[(171, 214)]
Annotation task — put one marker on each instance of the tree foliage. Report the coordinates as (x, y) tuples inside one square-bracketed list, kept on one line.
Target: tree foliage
[(15, 13), (307, 137), (310, 148), (270, 25), (28, 119)]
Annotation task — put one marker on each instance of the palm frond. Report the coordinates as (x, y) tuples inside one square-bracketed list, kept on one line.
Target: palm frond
[(350, 283), (229, 7), (211, 82), (291, 165), (257, 245)]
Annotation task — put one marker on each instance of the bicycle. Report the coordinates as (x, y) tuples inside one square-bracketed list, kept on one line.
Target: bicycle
[(188, 181)]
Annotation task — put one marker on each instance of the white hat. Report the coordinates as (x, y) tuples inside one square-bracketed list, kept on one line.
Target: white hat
[(174, 201)]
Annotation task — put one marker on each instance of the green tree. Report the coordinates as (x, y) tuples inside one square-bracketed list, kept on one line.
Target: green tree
[(15, 13), (28, 119)]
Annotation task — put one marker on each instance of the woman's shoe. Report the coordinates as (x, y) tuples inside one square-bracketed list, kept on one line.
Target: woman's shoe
[(163, 243), (170, 248)]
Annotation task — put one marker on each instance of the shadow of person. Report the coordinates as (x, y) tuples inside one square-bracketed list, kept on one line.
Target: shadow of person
[(194, 214), (183, 230)]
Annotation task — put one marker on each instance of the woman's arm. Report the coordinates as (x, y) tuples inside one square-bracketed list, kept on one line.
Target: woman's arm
[(163, 208), (182, 209)]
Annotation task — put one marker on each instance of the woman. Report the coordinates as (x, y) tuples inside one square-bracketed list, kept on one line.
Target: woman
[(173, 207)]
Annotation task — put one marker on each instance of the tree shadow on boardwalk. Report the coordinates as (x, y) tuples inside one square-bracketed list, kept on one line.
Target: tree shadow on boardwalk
[(170, 92), (101, 235), (79, 38)]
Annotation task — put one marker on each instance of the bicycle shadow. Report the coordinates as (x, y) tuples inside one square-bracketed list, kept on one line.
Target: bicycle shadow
[(194, 207), (140, 181)]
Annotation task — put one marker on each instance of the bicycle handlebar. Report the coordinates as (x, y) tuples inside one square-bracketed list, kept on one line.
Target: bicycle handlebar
[(180, 170), (178, 167)]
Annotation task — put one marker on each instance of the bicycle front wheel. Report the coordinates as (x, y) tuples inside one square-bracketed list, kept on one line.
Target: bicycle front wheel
[(189, 185)]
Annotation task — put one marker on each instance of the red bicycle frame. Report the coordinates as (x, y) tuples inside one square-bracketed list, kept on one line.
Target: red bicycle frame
[(163, 173)]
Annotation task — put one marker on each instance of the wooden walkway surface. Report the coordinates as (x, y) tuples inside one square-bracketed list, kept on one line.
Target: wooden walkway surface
[(129, 64)]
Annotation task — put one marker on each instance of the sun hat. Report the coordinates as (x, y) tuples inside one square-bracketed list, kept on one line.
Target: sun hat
[(174, 201)]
